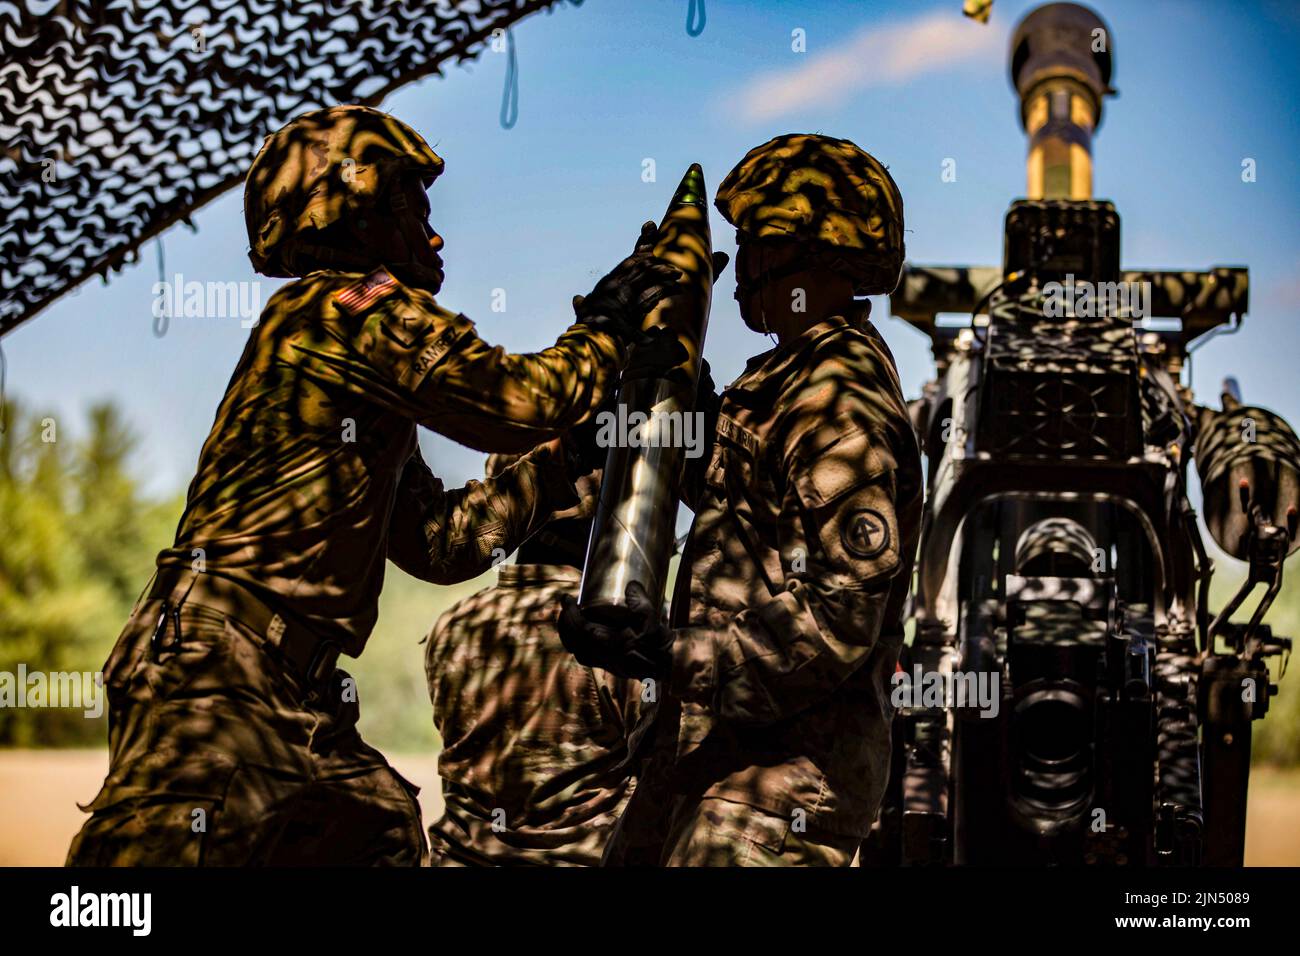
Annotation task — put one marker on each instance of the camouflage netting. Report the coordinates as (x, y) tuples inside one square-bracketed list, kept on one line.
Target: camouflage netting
[(119, 118)]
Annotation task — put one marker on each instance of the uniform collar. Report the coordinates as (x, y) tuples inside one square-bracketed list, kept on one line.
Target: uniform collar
[(536, 575), (773, 362)]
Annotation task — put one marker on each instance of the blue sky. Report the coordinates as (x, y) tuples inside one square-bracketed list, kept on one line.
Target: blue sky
[(544, 209)]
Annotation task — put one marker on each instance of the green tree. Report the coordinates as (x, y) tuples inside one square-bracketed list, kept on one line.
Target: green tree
[(78, 545)]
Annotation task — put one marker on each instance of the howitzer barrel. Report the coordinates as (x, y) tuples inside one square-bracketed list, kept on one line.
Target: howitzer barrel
[(632, 536), (1060, 65)]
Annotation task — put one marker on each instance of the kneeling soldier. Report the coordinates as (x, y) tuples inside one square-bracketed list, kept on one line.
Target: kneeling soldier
[(534, 745)]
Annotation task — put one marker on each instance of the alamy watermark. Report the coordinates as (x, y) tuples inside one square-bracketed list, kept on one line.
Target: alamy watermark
[(654, 429), (74, 908), (978, 690), (76, 690), (207, 300), (1094, 300)]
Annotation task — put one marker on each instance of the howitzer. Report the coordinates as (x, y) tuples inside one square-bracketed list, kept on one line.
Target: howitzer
[(1060, 559)]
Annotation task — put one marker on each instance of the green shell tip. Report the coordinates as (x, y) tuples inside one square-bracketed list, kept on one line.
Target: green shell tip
[(691, 190)]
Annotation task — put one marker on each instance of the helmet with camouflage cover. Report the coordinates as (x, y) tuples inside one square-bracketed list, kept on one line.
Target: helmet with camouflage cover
[(318, 170), (824, 192)]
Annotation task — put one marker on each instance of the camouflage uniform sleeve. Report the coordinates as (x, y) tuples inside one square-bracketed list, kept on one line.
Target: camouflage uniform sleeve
[(490, 399), (449, 536), (403, 351), (840, 545)]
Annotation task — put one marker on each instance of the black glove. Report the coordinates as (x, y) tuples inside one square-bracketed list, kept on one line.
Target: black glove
[(706, 391), (720, 260), (659, 351), (585, 454), (629, 291), (657, 354), (707, 399), (641, 650)]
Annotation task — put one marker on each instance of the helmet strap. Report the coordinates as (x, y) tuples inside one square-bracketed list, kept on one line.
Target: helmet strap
[(771, 275), (763, 285), (304, 257)]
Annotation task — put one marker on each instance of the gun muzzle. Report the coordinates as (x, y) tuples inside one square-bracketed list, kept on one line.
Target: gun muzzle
[(1061, 58), (632, 535)]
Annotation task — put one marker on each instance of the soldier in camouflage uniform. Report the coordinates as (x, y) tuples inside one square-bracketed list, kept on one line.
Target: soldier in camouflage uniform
[(233, 734), (534, 745), (770, 743)]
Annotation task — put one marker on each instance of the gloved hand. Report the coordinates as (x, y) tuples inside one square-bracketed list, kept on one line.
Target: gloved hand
[(641, 650), (720, 260), (707, 399), (657, 354), (706, 391), (659, 351), (585, 454), (627, 293)]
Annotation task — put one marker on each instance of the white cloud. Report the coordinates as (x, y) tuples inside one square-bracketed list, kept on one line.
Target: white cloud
[(875, 57)]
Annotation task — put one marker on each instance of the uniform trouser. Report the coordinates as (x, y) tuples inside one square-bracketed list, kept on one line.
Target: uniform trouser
[(661, 827), (221, 757), (711, 831), (443, 853)]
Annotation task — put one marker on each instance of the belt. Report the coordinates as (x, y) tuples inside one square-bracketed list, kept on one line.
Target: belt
[(310, 658)]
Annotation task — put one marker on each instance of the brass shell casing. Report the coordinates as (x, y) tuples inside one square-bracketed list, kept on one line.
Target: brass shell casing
[(633, 531)]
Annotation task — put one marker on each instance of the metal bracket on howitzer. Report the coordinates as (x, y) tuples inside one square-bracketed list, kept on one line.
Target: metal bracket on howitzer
[(1267, 546), (1201, 301), (1234, 689), (1255, 452)]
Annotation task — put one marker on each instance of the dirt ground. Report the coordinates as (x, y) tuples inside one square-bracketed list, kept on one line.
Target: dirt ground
[(39, 790)]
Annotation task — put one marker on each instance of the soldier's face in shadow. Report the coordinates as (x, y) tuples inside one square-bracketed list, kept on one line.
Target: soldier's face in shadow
[(757, 263), (401, 237), (783, 291)]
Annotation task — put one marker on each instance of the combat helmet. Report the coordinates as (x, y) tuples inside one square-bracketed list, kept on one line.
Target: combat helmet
[(321, 168), (827, 193)]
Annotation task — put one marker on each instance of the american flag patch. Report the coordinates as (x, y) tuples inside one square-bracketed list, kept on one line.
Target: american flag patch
[(364, 293)]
